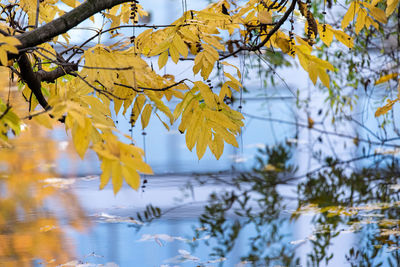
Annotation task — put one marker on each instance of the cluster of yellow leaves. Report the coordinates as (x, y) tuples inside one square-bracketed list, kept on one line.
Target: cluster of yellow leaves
[(85, 113), (178, 41), (315, 66), (367, 14), (121, 14), (125, 77), (123, 74), (231, 83), (207, 123), (48, 10), (327, 32), (120, 161), (174, 46), (89, 119)]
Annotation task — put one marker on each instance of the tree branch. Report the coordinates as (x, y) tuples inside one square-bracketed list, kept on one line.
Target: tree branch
[(32, 80), (51, 76), (65, 22), (269, 35)]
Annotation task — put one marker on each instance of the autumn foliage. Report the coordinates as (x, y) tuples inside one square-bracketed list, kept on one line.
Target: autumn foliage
[(75, 85)]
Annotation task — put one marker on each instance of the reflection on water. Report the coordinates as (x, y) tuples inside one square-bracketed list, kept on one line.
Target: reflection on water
[(362, 203), (33, 213), (268, 216)]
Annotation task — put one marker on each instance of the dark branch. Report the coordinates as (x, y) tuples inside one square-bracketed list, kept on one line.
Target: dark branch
[(277, 26), (51, 76), (149, 88), (269, 35), (32, 80), (65, 22)]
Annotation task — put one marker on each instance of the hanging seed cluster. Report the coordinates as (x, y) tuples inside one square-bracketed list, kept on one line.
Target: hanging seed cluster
[(291, 36), (312, 27), (134, 17)]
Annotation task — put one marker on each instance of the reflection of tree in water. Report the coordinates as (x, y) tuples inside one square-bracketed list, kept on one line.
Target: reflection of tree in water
[(29, 228), (364, 202), (253, 202)]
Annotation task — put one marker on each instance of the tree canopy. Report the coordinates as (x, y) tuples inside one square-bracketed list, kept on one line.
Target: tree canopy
[(82, 85)]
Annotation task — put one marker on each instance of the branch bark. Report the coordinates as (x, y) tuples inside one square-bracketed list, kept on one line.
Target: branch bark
[(65, 22), (51, 76), (32, 80), (47, 32)]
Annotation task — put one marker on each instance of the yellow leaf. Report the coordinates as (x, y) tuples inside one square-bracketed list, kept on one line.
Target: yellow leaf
[(386, 78), (386, 108), (193, 129), (391, 6), (217, 145), (234, 80), (188, 34), (185, 120), (80, 137), (227, 136), (376, 13), (214, 41), (106, 174), (160, 48), (326, 33), (312, 72), (137, 108), (45, 120), (160, 105), (360, 20), (264, 17), (3, 57), (132, 178), (237, 69), (10, 40), (349, 16), (210, 53), (204, 138), (116, 176), (165, 125), (206, 71), (162, 59), (145, 117), (315, 66), (343, 38), (225, 91), (206, 93), (323, 76), (137, 164), (174, 53), (310, 122), (71, 3), (188, 97), (180, 45), (198, 62), (220, 118), (283, 44)]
